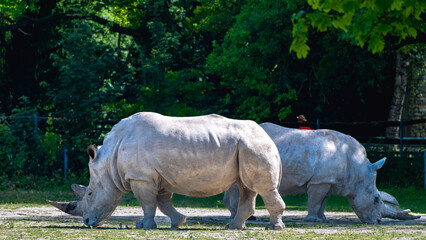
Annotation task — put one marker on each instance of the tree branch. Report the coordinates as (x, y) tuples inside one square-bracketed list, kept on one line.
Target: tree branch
[(421, 38), (25, 21)]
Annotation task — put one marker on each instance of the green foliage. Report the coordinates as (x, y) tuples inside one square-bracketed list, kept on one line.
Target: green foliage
[(28, 155), (180, 58), (363, 21), (405, 171), (16, 8), (250, 63)]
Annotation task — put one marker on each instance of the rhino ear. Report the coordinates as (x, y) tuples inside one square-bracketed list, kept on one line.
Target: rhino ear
[(91, 151), (377, 165), (79, 190)]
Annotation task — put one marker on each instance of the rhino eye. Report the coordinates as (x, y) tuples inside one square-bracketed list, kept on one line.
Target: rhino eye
[(376, 199), (90, 193)]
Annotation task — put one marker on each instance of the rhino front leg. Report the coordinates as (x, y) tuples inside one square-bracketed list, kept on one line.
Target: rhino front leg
[(230, 199), (146, 193), (317, 198), (245, 208), (164, 201)]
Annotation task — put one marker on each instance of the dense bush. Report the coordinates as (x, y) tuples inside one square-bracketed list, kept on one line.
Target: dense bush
[(405, 171)]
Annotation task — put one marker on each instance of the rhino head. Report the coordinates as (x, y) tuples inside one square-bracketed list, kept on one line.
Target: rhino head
[(370, 204), (365, 198), (99, 199)]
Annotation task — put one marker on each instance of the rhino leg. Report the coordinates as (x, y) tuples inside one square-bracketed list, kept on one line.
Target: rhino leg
[(317, 198), (322, 209), (164, 201), (275, 205), (146, 193), (245, 208), (230, 199)]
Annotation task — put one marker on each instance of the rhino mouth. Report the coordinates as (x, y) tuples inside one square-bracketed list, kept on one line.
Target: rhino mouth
[(97, 221), (92, 222)]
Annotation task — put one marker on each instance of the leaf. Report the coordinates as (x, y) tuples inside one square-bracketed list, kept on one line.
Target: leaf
[(320, 21), (376, 43), (412, 32), (351, 6), (397, 5), (343, 21), (300, 48), (383, 5)]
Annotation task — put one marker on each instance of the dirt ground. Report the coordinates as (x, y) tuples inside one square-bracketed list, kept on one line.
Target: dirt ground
[(130, 215)]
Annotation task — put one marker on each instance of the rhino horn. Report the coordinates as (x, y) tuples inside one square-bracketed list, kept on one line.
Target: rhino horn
[(79, 190), (390, 211), (387, 198), (377, 165), (68, 207)]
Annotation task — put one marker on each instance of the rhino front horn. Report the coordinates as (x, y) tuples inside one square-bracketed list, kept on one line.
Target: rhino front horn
[(68, 207), (390, 211)]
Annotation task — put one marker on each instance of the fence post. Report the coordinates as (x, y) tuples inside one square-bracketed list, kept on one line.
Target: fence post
[(35, 123), (318, 123), (65, 163), (424, 170), (401, 137)]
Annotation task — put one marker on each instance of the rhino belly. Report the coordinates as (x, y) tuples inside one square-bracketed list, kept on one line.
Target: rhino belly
[(293, 184), (202, 182)]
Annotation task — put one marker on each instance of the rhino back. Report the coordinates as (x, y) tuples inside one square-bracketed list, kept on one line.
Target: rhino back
[(195, 156), (316, 157)]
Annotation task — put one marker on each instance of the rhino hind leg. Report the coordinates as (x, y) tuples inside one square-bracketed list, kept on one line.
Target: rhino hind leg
[(245, 208), (164, 201), (317, 198), (275, 206), (146, 193)]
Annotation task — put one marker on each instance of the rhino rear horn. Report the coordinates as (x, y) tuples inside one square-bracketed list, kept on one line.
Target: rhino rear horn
[(72, 208), (79, 190), (390, 211), (387, 198)]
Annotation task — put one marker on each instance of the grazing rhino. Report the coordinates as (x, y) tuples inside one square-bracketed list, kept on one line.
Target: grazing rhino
[(323, 162), (155, 156)]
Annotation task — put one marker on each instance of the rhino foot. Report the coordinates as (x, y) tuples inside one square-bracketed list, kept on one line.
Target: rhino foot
[(276, 226), (232, 225), (314, 219), (146, 225), (179, 223)]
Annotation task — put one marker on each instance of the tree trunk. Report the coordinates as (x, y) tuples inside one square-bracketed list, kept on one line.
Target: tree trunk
[(399, 92)]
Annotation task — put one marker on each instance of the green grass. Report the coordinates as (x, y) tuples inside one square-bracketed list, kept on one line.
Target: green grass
[(73, 228), (70, 229), (408, 198)]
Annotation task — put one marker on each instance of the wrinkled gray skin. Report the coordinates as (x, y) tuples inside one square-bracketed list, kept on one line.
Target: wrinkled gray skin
[(323, 162), (155, 156)]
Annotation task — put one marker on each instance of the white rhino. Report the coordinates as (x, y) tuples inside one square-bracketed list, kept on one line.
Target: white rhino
[(155, 156), (323, 162)]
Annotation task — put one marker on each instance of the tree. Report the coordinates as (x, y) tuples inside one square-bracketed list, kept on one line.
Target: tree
[(26, 48), (394, 23), (363, 22), (99, 62)]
